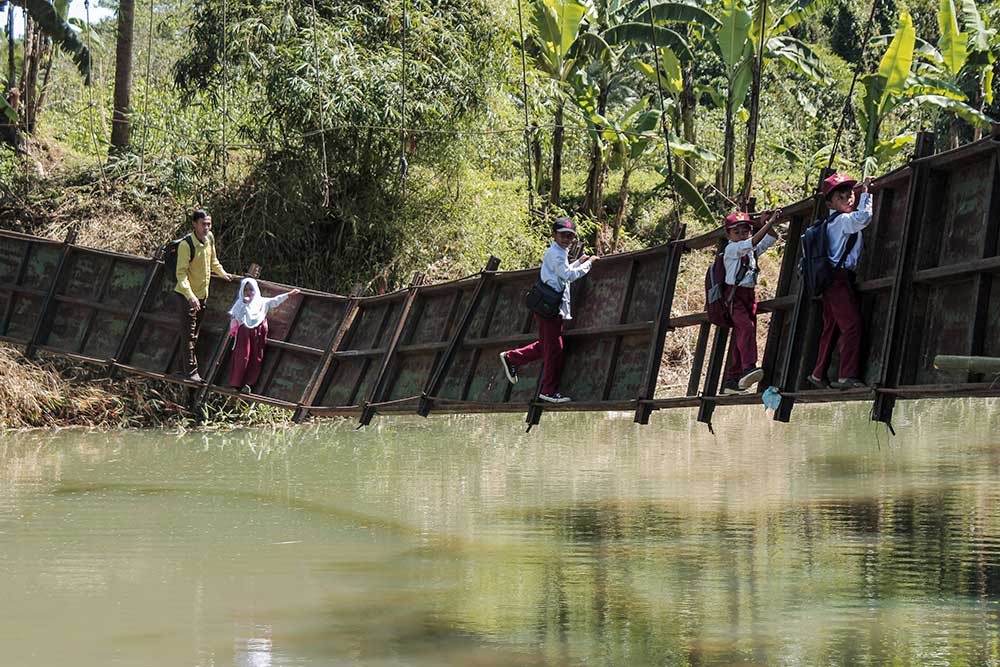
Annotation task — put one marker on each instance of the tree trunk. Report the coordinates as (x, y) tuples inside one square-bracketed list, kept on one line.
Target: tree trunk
[(977, 132), (752, 123), (11, 64), (536, 157), (953, 132), (593, 201), (121, 126), (729, 147), (688, 103), (32, 57), (557, 149), (50, 56), (622, 210)]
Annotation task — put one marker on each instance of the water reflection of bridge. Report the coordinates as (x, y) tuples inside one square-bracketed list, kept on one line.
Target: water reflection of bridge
[(927, 288)]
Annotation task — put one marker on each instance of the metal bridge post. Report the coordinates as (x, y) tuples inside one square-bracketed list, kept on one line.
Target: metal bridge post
[(127, 342), (444, 364), (668, 284), (901, 300), (801, 337), (44, 323), (777, 324), (312, 389), (716, 361), (379, 386)]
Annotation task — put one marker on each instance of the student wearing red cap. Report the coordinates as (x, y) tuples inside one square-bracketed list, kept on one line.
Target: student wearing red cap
[(740, 259), (557, 272), (840, 302)]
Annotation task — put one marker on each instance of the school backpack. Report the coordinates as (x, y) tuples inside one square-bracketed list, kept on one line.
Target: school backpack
[(814, 266), (170, 254), (717, 304)]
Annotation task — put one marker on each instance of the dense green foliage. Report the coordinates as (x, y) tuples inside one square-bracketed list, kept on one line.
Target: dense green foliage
[(284, 119)]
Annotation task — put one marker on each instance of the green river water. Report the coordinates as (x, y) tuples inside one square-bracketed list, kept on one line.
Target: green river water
[(465, 541)]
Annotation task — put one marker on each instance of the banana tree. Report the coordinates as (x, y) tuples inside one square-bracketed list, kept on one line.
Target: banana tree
[(629, 138), (895, 87), (811, 164), (678, 30), (769, 40), (46, 27), (962, 60), (560, 46)]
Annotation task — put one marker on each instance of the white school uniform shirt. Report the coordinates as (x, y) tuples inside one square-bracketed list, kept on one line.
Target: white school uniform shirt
[(843, 226), (558, 273), (737, 250)]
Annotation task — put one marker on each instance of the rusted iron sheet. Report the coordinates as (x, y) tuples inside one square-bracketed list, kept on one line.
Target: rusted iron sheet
[(27, 266)]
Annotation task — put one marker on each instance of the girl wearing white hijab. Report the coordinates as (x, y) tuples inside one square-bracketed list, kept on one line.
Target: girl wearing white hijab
[(249, 330)]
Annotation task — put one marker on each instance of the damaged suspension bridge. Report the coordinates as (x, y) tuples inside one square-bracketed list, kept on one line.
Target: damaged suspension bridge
[(928, 283)]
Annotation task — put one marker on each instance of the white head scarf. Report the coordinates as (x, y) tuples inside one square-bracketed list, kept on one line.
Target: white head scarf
[(249, 314)]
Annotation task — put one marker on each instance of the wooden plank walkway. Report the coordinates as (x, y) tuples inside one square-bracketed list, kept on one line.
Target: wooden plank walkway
[(928, 286)]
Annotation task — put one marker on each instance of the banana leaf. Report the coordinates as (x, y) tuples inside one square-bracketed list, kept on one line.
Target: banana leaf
[(952, 42)]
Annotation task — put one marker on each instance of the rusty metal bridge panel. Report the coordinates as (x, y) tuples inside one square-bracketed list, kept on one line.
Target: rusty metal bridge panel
[(926, 287)]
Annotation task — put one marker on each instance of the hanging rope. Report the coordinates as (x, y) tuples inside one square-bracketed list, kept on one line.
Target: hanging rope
[(319, 103), (403, 166), (754, 109), (527, 130), (90, 106), (663, 120), (850, 93), (225, 86), (145, 97)]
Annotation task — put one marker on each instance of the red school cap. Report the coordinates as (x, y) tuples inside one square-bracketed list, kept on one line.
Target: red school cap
[(737, 219), (831, 183)]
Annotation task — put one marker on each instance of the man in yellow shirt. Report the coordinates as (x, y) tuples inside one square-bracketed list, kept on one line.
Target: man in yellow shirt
[(193, 277)]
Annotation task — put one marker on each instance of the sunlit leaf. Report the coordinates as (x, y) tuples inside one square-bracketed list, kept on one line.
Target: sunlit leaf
[(734, 33), (952, 42), (898, 58)]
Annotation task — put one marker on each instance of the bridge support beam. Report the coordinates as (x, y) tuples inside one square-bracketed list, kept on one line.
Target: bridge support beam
[(798, 327), (381, 380), (668, 285), (44, 322), (436, 380), (894, 351), (312, 390)]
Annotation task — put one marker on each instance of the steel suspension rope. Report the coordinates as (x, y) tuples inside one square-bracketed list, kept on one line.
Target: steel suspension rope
[(145, 97), (403, 166), (527, 130), (225, 86), (850, 93), (90, 106), (319, 98), (754, 109), (663, 118)]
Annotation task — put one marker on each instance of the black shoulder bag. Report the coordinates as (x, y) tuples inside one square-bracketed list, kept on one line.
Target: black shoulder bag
[(544, 301)]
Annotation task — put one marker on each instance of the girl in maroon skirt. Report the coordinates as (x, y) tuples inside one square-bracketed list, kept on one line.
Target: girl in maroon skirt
[(249, 331)]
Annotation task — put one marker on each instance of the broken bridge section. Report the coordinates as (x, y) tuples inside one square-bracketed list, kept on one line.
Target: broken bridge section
[(926, 283)]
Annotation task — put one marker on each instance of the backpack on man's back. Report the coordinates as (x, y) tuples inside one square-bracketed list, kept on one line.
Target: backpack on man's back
[(170, 254)]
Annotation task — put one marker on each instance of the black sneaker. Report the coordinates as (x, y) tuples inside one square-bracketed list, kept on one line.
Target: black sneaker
[(817, 383), (749, 377), (509, 369), (849, 383), (731, 387), (246, 389), (555, 398), (193, 377)]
